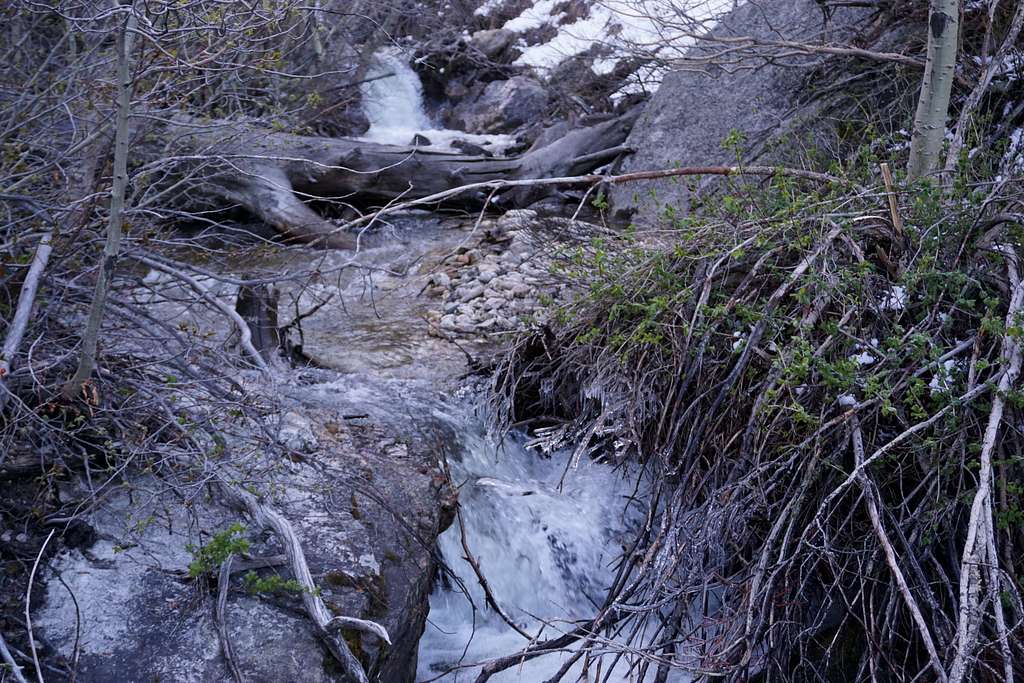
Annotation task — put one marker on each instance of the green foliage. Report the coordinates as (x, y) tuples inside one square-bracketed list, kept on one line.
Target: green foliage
[(254, 583), (210, 556)]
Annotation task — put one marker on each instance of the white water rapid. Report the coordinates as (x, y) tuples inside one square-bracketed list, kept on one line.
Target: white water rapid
[(393, 103), (546, 555)]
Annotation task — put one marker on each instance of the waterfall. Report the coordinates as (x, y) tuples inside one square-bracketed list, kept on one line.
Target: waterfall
[(393, 103), (393, 99)]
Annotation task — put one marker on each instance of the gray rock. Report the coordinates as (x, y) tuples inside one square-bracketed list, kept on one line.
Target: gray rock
[(503, 106), (469, 292), (496, 44), (296, 433), (521, 291), (440, 279), (451, 307), (486, 276), (694, 111), (448, 321)]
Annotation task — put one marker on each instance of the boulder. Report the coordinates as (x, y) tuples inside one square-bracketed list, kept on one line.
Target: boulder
[(496, 44), (367, 509), (503, 106), (696, 109)]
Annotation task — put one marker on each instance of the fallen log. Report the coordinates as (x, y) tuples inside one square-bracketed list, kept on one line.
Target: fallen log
[(275, 175)]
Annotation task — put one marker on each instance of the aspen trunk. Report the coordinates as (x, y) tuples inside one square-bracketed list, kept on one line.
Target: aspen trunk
[(87, 358), (933, 104)]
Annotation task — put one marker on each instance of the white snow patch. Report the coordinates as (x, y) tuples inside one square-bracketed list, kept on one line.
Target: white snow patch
[(895, 299), (847, 400)]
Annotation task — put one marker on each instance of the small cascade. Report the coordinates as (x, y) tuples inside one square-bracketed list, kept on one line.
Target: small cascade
[(393, 99), (393, 103)]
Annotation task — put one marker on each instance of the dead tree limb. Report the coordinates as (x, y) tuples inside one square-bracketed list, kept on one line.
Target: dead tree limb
[(980, 537), (267, 518), (221, 621), (273, 174), (23, 312)]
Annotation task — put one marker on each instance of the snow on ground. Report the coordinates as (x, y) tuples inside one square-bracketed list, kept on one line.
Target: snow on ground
[(623, 27)]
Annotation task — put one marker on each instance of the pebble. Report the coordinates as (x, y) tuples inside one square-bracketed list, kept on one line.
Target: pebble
[(440, 279)]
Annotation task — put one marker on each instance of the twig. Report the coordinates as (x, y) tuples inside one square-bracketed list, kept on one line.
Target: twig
[(890, 553), (9, 660), (890, 192), (482, 580), (766, 171), (245, 334), (979, 528), (28, 606)]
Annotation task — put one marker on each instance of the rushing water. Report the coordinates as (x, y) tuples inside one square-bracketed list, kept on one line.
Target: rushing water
[(546, 553), (393, 103)]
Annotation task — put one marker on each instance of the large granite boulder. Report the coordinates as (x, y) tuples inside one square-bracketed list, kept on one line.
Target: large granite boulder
[(503, 106), (367, 508), (695, 110)]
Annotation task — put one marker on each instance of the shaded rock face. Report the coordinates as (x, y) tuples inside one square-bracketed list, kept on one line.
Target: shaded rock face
[(503, 106), (693, 112), (144, 619)]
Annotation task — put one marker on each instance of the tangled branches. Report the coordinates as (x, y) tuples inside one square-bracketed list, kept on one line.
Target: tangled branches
[(817, 387)]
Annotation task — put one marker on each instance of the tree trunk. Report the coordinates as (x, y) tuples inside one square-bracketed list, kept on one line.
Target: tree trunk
[(933, 103), (87, 359), (273, 175)]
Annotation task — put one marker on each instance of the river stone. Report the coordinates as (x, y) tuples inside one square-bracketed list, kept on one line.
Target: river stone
[(495, 44), (694, 110), (469, 292)]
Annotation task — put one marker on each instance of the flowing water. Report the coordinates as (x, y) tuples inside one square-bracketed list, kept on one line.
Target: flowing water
[(545, 534), (393, 103), (546, 554)]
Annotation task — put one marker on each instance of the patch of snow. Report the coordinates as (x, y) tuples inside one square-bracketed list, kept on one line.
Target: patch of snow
[(863, 358), (623, 26), (895, 299), (942, 380), (535, 16), (847, 400)]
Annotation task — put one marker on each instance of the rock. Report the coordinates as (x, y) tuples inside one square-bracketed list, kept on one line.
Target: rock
[(486, 276), (496, 44), (419, 140), (520, 291), (448, 321), (469, 292), (493, 303), (296, 433), (470, 148), (451, 306), (147, 621), (440, 279), (503, 106), (694, 110)]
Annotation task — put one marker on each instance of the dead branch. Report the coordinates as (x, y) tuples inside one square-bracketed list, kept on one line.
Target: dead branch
[(980, 536), (220, 619), (268, 518)]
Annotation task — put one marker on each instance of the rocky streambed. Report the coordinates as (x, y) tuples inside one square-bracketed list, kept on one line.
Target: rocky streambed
[(371, 436)]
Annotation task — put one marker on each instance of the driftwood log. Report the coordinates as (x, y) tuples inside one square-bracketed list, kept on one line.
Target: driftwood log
[(275, 176)]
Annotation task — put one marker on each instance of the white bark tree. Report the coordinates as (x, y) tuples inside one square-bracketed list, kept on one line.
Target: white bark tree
[(933, 103)]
